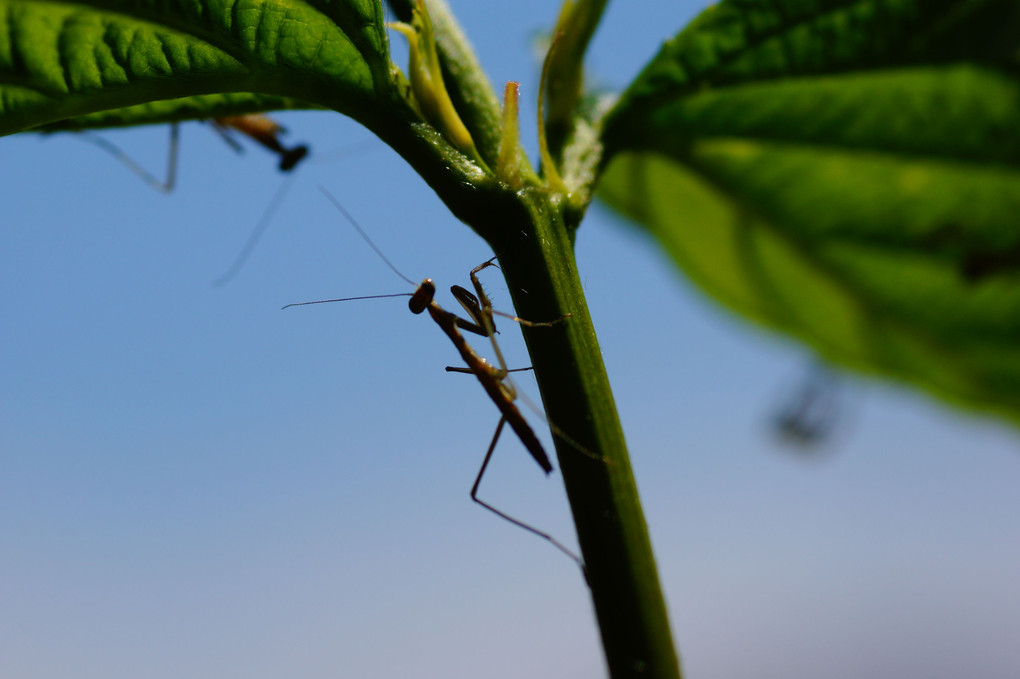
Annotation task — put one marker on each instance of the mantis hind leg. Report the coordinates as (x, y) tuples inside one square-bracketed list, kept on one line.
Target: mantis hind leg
[(503, 515), (161, 185)]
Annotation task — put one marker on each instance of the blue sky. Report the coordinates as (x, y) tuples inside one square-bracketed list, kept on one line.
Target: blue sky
[(195, 483)]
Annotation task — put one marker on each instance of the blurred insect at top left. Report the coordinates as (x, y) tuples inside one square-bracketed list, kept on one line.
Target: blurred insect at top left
[(257, 127)]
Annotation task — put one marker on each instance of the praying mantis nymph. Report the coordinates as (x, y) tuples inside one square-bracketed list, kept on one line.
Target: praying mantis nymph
[(493, 378), (256, 126), (264, 130)]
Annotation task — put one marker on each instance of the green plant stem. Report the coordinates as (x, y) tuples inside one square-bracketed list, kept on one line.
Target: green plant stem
[(528, 232), (537, 259)]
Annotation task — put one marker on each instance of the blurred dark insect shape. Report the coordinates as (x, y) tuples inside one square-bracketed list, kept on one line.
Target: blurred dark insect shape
[(256, 126), (810, 415)]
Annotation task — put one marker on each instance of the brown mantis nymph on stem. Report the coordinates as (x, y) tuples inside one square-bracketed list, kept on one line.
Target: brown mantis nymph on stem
[(493, 378)]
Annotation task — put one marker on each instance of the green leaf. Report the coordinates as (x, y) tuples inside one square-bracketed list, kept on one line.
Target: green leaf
[(748, 41), (847, 173), (61, 60)]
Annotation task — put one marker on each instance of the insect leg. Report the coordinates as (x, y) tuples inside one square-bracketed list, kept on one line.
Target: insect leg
[(503, 515), (485, 305), (469, 371), (163, 186)]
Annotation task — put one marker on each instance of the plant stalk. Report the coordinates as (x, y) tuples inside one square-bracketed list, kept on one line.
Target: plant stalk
[(538, 261)]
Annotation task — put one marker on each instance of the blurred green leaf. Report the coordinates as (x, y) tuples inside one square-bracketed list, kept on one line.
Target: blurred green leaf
[(847, 172), (63, 61)]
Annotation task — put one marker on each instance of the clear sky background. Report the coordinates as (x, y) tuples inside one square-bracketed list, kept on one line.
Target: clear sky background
[(196, 484)]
